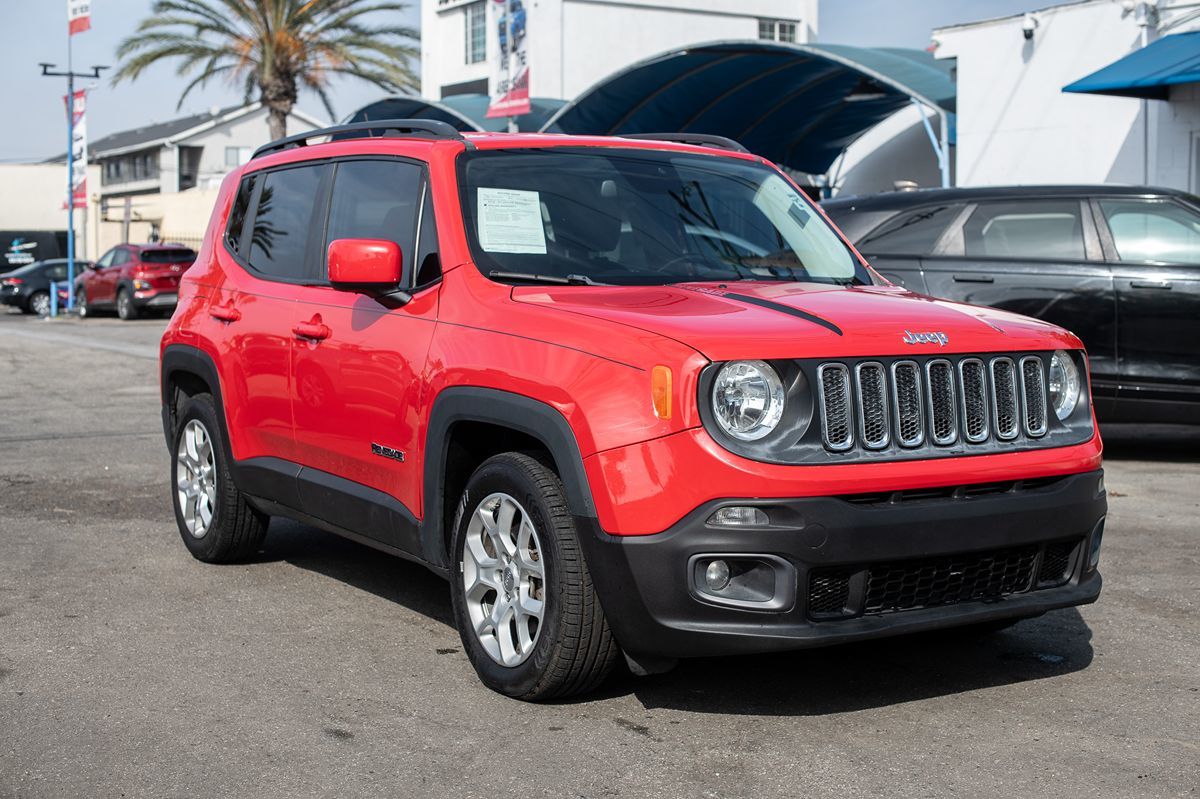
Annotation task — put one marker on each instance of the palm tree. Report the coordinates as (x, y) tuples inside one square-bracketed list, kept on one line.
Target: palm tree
[(276, 46)]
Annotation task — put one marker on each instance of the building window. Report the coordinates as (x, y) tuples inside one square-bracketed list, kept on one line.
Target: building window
[(475, 16), (777, 30), (236, 156)]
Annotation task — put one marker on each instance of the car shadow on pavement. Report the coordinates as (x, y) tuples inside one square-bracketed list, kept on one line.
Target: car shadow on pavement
[(815, 682), (1151, 442), (387, 576), (871, 674)]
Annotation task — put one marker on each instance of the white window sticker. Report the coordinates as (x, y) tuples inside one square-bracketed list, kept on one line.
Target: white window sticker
[(510, 220)]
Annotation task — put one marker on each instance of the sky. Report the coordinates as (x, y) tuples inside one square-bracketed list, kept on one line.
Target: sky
[(35, 31)]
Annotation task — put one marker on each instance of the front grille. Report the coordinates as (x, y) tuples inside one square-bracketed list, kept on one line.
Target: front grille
[(943, 401), (896, 586)]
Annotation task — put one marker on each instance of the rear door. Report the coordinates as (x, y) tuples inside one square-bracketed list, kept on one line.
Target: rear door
[(897, 248), (1154, 247), (358, 389), (1039, 257), (103, 288)]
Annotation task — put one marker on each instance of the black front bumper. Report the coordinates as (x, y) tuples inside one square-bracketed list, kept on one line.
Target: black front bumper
[(653, 602)]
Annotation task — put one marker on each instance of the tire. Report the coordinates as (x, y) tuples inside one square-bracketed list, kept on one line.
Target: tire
[(125, 307), (215, 521), (569, 649), (81, 303), (39, 303)]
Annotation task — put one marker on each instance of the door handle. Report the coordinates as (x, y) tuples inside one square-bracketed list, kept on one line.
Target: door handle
[(974, 279), (226, 313), (313, 329), (1150, 284)]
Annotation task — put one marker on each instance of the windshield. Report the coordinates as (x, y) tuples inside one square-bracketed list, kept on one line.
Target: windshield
[(643, 217), (168, 256)]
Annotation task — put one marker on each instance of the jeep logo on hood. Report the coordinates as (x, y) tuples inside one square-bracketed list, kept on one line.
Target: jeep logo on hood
[(929, 337)]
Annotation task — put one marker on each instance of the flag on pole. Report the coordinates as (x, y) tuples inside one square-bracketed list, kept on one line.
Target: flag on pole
[(78, 111), (510, 71), (79, 16)]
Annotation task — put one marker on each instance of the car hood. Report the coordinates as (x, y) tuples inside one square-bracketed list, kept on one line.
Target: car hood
[(751, 319)]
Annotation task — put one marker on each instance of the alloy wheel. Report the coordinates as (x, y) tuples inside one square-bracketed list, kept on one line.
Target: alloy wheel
[(504, 579), (196, 478), (40, 304)]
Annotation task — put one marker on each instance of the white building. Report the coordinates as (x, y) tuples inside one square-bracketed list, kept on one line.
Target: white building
[(572, 44), (1016, 125)]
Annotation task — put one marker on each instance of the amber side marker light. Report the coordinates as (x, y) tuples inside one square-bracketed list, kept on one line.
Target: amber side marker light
[(660, 391)]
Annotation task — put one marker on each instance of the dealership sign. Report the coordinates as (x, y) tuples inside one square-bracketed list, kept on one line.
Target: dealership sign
[(79, 16), (78, 112), (510, 78)]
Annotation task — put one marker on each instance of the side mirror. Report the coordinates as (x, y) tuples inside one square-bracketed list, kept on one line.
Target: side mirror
[(365, 262)]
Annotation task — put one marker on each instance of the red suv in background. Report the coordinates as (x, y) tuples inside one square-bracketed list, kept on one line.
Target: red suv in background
[(131, 278), (630, 397)]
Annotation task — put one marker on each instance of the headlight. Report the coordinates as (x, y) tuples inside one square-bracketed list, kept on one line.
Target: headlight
[(1064, 384), (747, 399)]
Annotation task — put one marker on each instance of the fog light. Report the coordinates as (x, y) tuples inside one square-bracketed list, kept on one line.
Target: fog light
[(1094, 554), (716, 576), (739, 516)]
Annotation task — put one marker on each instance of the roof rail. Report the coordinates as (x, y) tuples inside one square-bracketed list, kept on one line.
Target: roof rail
[(376, 128), (701, 139)]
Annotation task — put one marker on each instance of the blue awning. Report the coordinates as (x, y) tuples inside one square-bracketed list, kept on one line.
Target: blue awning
[(1148, 72)]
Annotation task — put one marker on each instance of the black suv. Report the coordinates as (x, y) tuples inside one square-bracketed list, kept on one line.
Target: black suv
[(1117, 265)]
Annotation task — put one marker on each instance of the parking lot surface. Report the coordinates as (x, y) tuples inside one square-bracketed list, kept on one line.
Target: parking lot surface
[(325, 668)]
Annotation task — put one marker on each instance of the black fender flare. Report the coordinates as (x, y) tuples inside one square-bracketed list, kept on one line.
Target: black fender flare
[(503, 409), (191, 360)]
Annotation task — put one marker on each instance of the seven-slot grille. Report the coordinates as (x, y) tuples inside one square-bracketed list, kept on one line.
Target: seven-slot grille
[(943, 401)]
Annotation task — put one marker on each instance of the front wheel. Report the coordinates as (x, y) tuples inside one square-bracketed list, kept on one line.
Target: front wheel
[(81, 303), (524, 604)]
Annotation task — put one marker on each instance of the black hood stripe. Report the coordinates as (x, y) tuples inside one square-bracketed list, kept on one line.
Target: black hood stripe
[(775, 306)]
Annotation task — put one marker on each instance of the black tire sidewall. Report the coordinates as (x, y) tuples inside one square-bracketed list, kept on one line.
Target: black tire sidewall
[(215, 543), (504, 475), (129, 312)]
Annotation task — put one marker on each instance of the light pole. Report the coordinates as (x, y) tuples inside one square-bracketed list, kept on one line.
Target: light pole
[(70, 75)]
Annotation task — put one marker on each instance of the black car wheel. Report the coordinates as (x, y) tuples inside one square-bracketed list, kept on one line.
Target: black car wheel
[(39, 303), (81, 303)]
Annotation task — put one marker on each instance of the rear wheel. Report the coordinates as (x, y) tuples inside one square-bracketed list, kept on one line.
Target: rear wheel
[(526, 610), (81, 303), (215, 521), (125, 307)]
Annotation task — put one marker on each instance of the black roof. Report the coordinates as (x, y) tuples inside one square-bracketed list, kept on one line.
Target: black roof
[(906, 199)]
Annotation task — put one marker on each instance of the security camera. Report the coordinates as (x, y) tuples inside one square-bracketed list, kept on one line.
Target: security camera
[(1028, 26)]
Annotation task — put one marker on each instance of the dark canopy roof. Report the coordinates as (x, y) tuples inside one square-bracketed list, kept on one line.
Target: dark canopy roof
[(799, 105), (466, 112), (1148, 72)]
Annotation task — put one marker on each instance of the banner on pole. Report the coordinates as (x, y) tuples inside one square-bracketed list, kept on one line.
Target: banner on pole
[(79, 16), (78, 110), (510, 78)]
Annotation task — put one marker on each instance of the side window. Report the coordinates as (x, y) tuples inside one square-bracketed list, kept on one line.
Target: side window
[(1041, 229), (237, 215), (106, 260), (1153, 230), (376, 200), (58, 272), (120, 257), (913, 233), (428, 263), (283, 221)]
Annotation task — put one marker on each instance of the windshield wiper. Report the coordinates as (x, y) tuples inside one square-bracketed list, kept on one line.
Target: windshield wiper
[(529, 277)]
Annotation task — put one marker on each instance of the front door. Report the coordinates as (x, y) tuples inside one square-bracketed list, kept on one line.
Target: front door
[(358, 388), (1154, 245)]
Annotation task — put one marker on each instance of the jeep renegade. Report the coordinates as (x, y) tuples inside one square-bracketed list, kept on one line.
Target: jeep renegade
[(633, 397)]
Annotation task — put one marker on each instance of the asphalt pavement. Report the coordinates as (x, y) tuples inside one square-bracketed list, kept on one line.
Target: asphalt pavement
[(325, 668)]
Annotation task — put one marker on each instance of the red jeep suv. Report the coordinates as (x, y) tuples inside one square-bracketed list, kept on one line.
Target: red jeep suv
[(633, 397), (132, 278)]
